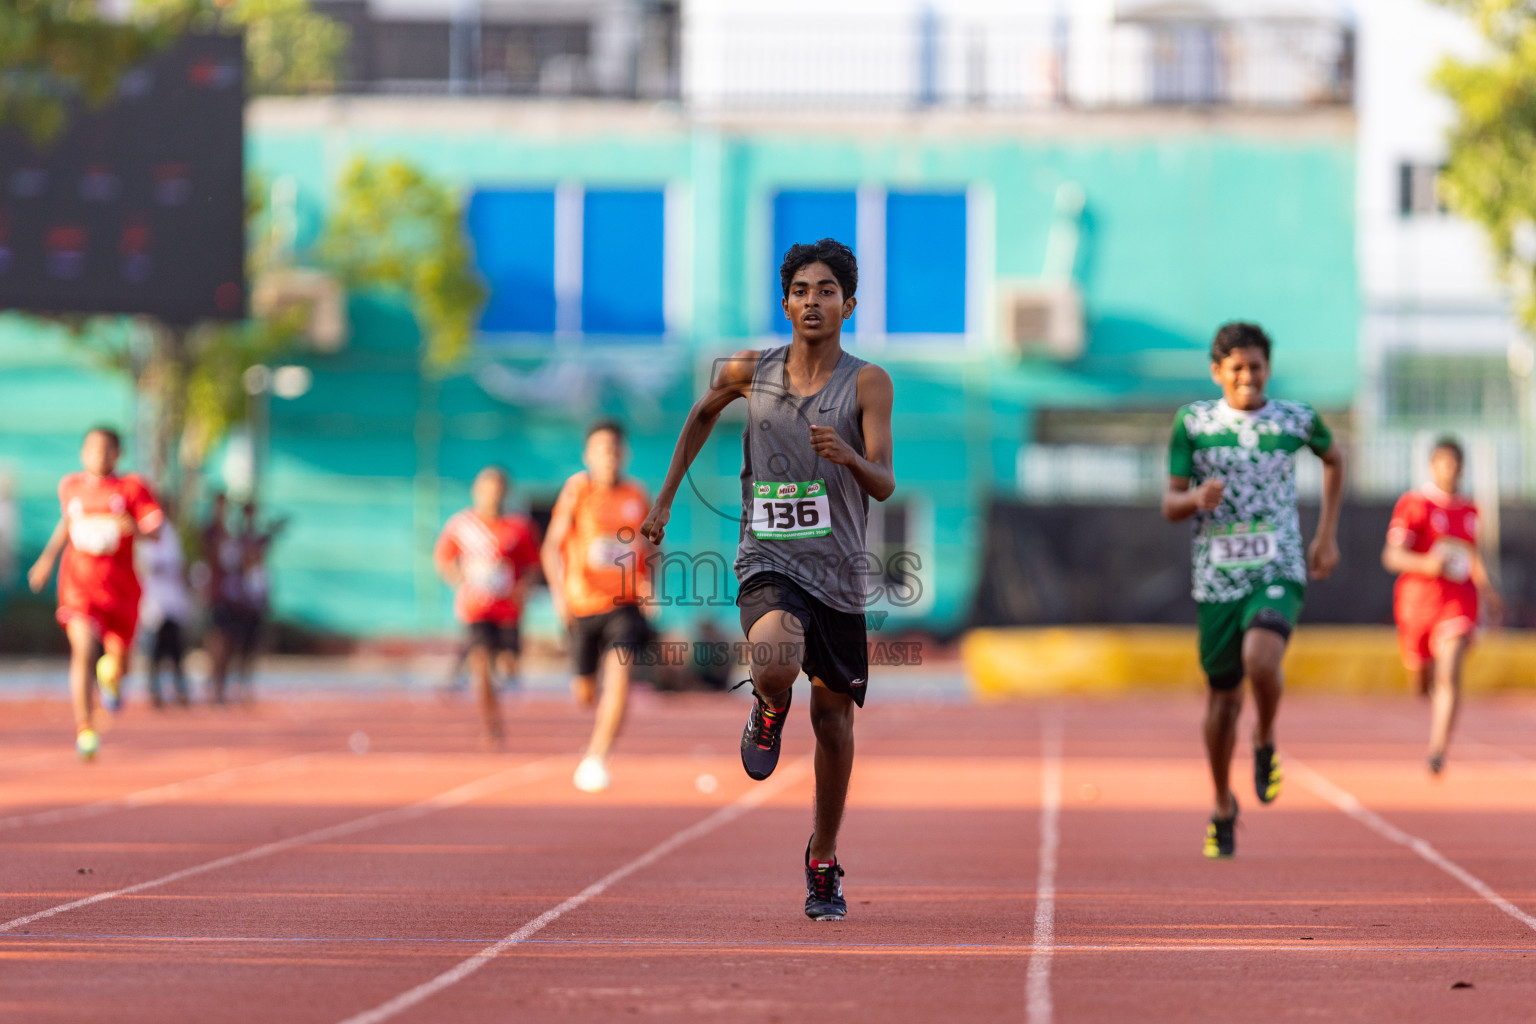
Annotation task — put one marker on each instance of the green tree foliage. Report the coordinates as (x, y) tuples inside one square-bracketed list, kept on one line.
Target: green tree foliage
[(395, 228), (54, 50), (1489, 177), (392, 228), (192, 380), (289, 48)]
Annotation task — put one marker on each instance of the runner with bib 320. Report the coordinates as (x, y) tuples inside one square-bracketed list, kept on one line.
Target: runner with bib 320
[(1231, 466), (816, 448)]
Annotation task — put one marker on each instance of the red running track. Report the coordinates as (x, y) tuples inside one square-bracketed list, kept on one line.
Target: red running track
[(1021, 863)]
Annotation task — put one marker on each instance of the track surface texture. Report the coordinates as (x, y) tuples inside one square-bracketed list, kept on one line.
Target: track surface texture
[(1029, 862)]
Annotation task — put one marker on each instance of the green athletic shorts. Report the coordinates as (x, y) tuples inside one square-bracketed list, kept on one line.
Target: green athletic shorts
[(1275, 606)]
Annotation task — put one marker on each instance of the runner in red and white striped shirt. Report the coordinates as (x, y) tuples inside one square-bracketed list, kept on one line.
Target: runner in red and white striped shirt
[(489, 557)]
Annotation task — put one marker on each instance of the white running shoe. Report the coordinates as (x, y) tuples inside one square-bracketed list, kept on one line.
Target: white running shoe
[(591, 775)]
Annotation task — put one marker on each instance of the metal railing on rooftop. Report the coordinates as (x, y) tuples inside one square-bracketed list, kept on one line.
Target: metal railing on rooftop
[(742, 63), (893, 61)]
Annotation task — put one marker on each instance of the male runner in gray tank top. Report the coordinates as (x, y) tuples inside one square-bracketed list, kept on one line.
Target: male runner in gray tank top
[(816, 448)]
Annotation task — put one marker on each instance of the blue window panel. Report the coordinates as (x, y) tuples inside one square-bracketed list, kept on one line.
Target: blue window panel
[(925, 263), (623, 262), (514, 236), (809, 217)]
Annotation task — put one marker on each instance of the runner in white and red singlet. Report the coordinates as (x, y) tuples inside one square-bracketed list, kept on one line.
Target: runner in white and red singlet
[(1442, 588), (488, 557)]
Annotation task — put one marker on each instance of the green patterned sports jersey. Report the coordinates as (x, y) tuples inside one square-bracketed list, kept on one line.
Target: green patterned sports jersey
[(1254, 536)]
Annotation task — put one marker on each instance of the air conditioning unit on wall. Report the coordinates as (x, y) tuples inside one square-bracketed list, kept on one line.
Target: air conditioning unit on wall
[(1041, 318), (325, 324)]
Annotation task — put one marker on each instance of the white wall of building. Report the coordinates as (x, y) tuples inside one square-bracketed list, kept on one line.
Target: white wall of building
[(1427, 281)]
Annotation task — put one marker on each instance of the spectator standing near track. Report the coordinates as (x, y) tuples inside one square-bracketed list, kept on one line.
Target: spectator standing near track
[(488, 557), (103, 514), (1231, 467), (254, 594), (164, 610), (816, 448), (597, 566), (1432, 546), (224, 556)]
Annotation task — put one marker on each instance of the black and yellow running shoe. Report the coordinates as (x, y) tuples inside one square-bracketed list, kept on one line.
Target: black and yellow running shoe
[(1267, 776), (1219, 841)]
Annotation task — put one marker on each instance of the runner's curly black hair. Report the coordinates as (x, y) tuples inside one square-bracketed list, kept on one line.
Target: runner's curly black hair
[(109, 433), (1448, 443), (830, 251), (614, 427), (1238, 334)]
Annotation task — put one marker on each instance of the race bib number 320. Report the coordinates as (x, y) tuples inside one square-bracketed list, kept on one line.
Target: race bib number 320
[(790, 511), (1243, 546)]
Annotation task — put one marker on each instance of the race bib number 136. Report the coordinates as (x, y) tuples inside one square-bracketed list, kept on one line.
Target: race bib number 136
[(790, 511)]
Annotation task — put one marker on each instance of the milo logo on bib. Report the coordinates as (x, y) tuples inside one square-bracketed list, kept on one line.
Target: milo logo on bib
[(790, 511)]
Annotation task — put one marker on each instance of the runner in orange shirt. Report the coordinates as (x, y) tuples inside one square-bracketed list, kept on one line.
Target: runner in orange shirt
[(595, 562), (488, 557), (1432, 546), (98, 587)]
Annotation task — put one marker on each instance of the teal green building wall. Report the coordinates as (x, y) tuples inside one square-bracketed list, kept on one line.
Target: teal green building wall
[(1181, 231)]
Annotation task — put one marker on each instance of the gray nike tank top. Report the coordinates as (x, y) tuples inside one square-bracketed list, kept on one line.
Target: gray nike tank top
[(800, 514)]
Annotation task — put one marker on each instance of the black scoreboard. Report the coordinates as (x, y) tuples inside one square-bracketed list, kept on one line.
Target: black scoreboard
[(138, 206)]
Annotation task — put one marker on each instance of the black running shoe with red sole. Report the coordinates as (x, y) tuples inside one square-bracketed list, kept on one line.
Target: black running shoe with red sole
[(760, 739), (824, 890)]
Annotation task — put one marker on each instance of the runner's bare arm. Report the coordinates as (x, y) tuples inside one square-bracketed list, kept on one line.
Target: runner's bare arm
[(550, 554), (1181, 502), (733, 380), (446, 560), (1397, 559), (129, 526), (873, 470), (37, 576), (1493, 601), (1323, 554), (530, 571)]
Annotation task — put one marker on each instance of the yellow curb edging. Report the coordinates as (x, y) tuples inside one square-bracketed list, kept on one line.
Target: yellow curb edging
[(1039, 662)]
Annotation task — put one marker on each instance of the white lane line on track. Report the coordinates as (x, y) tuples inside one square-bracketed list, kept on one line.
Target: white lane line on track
[(161, 794), (1038, 984), (451, 798), (1347, 802), (755, 797)]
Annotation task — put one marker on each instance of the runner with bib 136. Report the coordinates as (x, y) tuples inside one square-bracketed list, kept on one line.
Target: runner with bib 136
[(816, 448), (1231, 466)]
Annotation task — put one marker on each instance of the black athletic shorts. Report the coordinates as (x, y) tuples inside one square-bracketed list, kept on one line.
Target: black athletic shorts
[(591, 635), (836, 646), (227, 615), (494, 637)]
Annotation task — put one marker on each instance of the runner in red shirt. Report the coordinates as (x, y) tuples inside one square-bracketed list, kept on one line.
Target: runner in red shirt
[(488, 557), (98, 588), (1432, 546)]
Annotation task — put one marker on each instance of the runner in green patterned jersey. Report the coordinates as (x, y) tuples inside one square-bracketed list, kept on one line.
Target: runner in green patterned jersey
[(1231, 468)]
